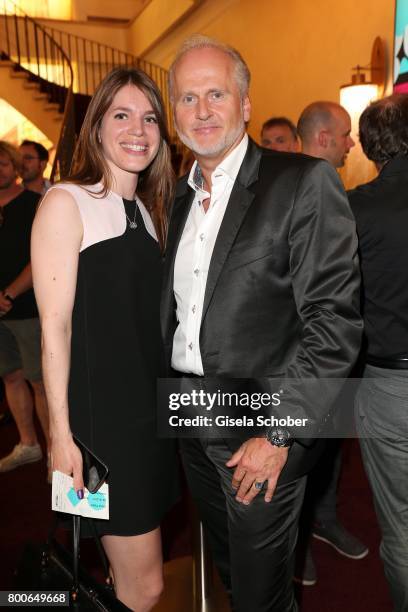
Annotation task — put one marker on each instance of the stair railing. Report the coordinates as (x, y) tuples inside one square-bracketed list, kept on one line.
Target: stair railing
[(64, 63), (92, 60), (31, 48)]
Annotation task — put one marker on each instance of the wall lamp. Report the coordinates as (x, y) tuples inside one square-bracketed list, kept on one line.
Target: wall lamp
[(367, 82)]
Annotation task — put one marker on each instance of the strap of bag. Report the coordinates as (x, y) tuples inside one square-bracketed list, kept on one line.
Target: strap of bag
[(76, 535)]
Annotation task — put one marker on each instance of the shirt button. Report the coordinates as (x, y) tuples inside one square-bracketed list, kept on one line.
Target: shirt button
[(196, 271), (190, 346), (201, 237), (193, 309)]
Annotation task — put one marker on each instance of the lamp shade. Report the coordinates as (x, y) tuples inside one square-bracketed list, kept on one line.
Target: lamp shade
[(355, 98)]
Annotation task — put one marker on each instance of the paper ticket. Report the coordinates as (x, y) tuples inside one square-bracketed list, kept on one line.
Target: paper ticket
[(65, 499)]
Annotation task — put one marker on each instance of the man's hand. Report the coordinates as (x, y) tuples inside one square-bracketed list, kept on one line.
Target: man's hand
[(5, 304), (257, 460)]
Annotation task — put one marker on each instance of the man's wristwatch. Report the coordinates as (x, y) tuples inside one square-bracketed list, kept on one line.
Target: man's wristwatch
[(279, 437)]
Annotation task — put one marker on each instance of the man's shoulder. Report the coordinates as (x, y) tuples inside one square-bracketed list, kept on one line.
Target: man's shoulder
[(292, 168), (290, 160), (365, 197)]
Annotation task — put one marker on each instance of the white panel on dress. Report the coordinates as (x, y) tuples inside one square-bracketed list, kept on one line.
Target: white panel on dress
[(103, 218)]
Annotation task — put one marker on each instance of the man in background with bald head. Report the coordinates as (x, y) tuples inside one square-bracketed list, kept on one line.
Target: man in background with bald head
[(324, 129)]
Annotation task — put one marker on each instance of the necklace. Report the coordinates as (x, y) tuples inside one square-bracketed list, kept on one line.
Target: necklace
[(132, 224)]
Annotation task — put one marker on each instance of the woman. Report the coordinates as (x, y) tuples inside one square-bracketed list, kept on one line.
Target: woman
[(96, 267)]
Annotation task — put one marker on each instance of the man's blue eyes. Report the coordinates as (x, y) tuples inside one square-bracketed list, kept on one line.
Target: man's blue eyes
[(215, 95)]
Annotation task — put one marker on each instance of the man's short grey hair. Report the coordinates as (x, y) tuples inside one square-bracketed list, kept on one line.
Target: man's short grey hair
[(316, 116), (198, 41)]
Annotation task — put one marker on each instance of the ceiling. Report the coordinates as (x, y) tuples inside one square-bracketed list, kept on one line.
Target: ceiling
[(85, 10)]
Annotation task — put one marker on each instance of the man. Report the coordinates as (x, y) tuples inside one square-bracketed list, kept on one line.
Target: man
[(19, 325), (324, 129), (253, 290), (280, 134), (381, 212), (34, 162)]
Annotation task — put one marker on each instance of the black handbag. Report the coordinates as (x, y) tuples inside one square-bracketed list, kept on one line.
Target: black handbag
[(51, 567)]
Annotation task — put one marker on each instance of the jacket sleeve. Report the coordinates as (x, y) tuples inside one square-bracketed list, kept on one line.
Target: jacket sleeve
[(325, 278)]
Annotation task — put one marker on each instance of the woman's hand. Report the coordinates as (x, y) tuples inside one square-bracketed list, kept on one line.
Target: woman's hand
[(66, 458)]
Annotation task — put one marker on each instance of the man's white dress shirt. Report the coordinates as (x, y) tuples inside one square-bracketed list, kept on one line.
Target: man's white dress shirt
[(194, 256)]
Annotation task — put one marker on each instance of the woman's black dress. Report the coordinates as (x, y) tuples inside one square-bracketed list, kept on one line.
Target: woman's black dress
[(116, 358)]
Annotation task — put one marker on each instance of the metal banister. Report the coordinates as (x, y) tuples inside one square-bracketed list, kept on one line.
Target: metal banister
[(19, 32)]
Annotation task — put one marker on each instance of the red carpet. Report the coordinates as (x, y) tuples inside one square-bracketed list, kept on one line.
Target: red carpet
[(343, 584)]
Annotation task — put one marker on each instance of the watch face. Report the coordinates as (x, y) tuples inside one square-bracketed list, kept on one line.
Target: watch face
[(280, 437)]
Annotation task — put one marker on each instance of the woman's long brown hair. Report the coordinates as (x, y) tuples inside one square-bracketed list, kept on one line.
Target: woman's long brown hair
[(156, 183)]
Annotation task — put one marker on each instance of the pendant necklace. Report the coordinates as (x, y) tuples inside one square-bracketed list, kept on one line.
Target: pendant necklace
[(132, 224)]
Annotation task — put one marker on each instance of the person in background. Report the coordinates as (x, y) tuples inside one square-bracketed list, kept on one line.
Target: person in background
[(280, 134), (20, 350), (381, 211), (34, 162), (324, 129)]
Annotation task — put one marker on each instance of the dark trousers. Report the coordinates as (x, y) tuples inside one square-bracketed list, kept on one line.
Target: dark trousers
[(382, 424), (252, 546), (320, 503)]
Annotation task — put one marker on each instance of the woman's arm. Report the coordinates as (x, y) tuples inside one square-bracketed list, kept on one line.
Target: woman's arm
[(55, 243)]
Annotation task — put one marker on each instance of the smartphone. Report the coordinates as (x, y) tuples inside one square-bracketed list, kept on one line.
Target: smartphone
[(94, 470)]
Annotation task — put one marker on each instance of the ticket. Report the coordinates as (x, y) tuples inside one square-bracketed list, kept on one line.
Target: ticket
[(65, 499)]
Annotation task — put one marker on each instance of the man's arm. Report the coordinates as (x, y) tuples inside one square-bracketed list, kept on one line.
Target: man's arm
[(325, 274), (325, 281), (22, 283)]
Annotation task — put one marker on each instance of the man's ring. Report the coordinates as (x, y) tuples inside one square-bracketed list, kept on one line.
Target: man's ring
[(258, 485)]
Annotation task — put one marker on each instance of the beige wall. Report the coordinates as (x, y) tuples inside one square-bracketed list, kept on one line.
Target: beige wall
[(298, 50), (110, 34), (156, 19)]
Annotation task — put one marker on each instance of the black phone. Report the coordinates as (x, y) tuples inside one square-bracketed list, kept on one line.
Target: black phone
[(94, 471)]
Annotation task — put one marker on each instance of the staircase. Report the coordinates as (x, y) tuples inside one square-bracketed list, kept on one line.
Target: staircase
[(92, 60), (28, 98), (50, 76)]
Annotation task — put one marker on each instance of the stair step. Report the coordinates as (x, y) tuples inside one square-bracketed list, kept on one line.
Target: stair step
[(32, 86), (6, 64), (18, 75), (40, 96), (52, 107)]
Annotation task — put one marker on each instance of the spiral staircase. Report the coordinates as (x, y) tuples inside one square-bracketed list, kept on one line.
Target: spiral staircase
[(50, 76)]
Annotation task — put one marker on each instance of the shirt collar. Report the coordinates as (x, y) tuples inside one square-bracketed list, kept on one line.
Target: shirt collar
[(229, 166)]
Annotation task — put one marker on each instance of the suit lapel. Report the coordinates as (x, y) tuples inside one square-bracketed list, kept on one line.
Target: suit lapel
[(240, 200)]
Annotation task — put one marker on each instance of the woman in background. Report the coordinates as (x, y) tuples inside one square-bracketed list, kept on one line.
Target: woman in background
[(96, 256)]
